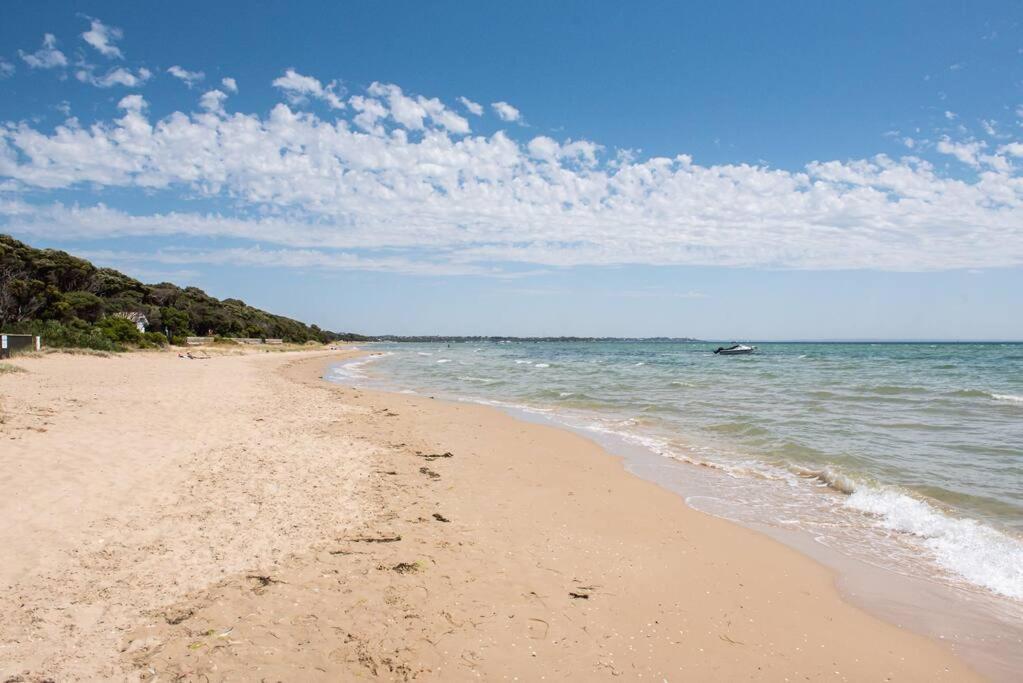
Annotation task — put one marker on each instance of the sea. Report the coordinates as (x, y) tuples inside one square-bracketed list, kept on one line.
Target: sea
[(902, 461)]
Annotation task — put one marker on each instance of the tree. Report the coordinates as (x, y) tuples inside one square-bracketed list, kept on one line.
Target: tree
[(43, 285), (84, 305), (174, 320)]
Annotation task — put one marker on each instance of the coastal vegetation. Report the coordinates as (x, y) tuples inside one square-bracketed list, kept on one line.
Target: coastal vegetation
[(72, 303)]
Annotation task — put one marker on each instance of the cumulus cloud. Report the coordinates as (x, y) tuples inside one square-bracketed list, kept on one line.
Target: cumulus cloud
[(474, 108), (189, 78), (103, 37), (966, 152), (550, 150), (1014, 149), (395, 184), (298, 89), (213, 101), (132, 103), (506, 112), (229, 84), (119, 76), (6, 69), (47, 56), (371, 111), (412, 112)]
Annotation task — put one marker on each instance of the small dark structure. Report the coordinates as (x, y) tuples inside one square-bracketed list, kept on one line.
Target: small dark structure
[(11, 343)]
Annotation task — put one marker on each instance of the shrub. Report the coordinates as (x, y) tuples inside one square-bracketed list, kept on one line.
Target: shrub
[(155, 338), (119, 330)]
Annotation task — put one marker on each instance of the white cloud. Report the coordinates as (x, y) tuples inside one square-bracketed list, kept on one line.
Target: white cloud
[(213, 101), (1015, 149), (966, 152), (102, 37), (133, 103), (117, 76), (47, 56), (298, 89), (411, 112), (474, 108), (951, 115), (506, 112), (229, 84), (395, 185), (370, 113), (548, 149), (189, 78), (6, 69), (288, 258)]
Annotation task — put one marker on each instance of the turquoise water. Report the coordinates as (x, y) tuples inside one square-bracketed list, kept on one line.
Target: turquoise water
[(907, 455)]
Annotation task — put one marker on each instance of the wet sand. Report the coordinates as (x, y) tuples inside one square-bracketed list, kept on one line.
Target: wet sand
[(240, 518)]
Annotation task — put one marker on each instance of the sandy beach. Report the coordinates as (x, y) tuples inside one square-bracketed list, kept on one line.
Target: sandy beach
[(239, 518)]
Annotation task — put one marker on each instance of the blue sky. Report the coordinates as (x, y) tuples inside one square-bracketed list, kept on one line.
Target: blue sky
[(720, 170)]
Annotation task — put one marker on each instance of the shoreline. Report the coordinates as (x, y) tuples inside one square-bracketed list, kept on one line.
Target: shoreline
[(529, 551), (979, 627)]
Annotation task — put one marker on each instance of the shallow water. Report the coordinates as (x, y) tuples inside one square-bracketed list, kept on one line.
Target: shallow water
[(909, 456)]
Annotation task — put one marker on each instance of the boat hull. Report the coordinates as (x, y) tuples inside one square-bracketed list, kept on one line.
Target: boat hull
[(738, 350)]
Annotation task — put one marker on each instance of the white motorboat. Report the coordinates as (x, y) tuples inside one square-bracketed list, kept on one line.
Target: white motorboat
[(735, 350)]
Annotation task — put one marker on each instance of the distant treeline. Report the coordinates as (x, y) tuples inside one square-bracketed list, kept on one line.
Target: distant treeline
[(459, 339), (71, 302)]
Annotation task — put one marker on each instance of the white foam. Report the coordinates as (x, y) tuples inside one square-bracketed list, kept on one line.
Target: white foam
[(481, 380), (353, 368), (444, 360), (541, 365), (1007, 397), (977, 553)]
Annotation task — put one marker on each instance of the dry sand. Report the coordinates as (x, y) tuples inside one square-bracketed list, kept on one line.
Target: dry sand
[(238, 518)]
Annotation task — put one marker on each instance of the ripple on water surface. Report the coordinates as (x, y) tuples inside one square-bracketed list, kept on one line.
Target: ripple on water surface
[(919, 445)]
